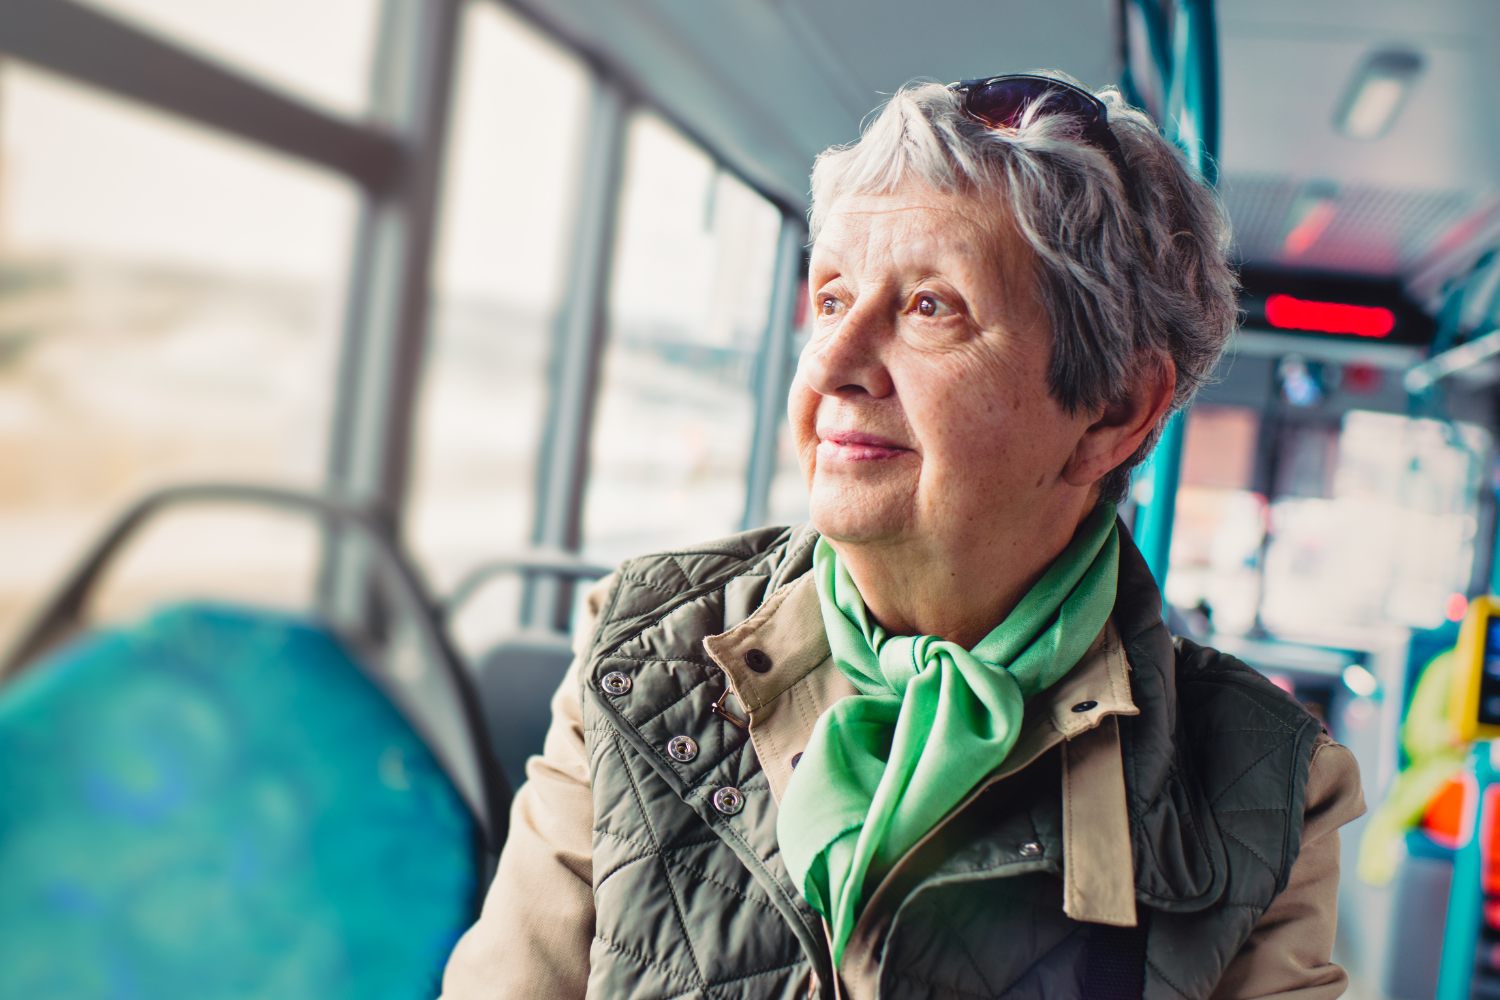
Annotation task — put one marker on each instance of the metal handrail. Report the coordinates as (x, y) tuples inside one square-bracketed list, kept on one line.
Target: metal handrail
[(542, 562)]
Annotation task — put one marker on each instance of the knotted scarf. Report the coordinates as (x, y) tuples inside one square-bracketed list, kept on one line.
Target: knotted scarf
[(929, 722)]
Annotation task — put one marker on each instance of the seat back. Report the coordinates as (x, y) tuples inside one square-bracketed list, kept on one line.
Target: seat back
[(218, 802), (516, 680)]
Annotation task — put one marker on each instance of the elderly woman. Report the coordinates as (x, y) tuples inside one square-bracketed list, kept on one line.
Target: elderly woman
[(939, 742)]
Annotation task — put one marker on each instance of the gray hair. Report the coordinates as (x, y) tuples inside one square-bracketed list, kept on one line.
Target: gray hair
[(1128, 277)]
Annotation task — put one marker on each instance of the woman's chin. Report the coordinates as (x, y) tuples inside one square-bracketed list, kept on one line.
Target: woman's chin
[(855, 519)]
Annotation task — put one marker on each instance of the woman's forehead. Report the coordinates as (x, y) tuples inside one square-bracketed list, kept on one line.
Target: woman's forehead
[(919, 227)]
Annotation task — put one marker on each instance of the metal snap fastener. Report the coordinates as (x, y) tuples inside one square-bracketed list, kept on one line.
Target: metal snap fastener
[(796, 759), (1030, 849), (682, 748), (1084, 706), (729, 800), (757, 660), (615, 683)]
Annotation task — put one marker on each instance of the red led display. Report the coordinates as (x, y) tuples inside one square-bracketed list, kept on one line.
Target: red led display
[(1288, 313)]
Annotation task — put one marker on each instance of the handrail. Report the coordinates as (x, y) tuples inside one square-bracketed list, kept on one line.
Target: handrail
[(1451, 356), (1422, 377), (64, 609), (547, 562)]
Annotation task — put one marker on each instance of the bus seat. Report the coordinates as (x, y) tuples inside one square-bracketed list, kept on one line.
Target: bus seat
[(517, 677), (516, 680), (219, 802)]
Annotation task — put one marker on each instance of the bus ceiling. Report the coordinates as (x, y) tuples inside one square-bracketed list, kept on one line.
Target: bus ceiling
[(1343, 152)]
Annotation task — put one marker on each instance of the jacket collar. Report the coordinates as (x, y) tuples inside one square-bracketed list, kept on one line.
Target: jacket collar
[(778, 646)]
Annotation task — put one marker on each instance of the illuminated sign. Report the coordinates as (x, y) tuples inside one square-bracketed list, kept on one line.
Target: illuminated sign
[(1286, 312)]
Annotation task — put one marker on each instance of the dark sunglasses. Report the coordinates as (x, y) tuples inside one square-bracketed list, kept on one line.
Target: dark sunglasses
[(1001, 102)]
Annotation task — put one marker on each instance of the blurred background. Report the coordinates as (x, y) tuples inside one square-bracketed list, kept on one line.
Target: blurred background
[(376, 327)]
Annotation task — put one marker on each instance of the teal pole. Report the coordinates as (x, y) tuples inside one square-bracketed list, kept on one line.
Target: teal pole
[(1495, 549), (1193, 105), (1154, 517), (1466, 897)]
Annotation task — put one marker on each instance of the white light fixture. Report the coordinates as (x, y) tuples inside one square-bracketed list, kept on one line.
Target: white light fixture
[(1359, 680), (1377, 92)]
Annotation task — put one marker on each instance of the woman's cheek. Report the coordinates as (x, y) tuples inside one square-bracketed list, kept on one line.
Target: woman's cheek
[(802, 420)]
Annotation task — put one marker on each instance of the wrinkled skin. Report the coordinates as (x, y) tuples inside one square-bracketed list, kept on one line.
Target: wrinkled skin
[(936, 459)]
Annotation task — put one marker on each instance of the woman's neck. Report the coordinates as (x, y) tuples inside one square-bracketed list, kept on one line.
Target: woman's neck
[(958, 589)]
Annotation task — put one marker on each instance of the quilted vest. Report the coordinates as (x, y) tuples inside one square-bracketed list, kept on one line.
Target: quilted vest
[(693, 902)]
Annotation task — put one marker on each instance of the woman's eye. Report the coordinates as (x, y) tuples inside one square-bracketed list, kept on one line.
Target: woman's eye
[(929, 305), (828, 305)]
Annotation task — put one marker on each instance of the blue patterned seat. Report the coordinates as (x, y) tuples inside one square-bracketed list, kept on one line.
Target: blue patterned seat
[(219, 803)]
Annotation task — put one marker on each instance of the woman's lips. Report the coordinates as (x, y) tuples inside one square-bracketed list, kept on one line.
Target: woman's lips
[(853, 446)]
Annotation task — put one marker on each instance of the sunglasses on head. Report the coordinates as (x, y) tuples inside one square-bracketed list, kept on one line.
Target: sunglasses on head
[(1002, 102)]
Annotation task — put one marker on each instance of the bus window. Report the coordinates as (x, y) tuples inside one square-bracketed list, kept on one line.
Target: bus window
[(497, 282), (688, 307), (788, 500), (152, 328), (1220, 520), (1390, 540), (788, 490), (327, 56)]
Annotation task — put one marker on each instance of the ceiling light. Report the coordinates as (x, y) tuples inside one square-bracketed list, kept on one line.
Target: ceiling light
[(1359, 680), (1376, 94), (1311, 213)]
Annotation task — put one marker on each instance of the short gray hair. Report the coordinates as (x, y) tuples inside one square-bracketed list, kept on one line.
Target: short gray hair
[(1127, 277)]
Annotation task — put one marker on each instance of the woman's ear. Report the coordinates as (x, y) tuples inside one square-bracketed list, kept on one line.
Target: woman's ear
[(1122, 425)]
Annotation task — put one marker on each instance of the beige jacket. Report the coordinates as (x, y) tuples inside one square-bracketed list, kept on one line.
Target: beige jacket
[(533, 937)]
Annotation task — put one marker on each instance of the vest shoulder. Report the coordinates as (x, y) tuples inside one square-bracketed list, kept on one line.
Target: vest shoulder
[(1214, 683), (690, 567), (647, 588)]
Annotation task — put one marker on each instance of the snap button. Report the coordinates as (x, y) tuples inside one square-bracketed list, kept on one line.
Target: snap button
[(796, 759), (729, 800), (615, 683), (682, 748), (1030, 849), (757, 660), (1084, 706)]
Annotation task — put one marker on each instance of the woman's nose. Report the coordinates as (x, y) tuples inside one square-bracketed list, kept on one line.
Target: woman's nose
[(848, 359)]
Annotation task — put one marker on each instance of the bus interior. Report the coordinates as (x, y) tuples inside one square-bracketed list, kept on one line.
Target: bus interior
[(344, 345)]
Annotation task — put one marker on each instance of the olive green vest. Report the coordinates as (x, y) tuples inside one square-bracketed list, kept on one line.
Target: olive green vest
[(694, 901)]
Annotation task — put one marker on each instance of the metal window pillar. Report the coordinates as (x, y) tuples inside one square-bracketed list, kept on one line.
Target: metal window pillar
[(386, 316), (577, 353), (775, 364), (1192, 115)]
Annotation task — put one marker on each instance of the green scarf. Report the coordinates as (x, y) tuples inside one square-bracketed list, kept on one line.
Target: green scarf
[(930, 720)]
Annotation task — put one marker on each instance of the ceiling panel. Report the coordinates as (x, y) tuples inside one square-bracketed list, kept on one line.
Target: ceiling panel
[(1401, 200), (767, 84), (1376, 231), (886, 44), (1281, 96)]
